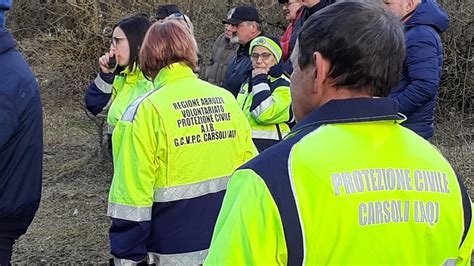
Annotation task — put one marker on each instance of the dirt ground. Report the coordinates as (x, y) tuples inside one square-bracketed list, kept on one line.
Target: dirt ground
[(71, 225)]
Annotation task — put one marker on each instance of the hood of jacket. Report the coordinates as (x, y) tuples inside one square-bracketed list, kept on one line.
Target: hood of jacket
[(6, 41), (429, 13)]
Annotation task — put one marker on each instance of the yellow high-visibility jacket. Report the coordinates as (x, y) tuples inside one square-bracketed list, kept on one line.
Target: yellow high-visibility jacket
[(177, 147), (349, 185)]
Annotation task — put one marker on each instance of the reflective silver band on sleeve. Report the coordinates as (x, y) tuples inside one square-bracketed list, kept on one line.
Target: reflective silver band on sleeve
[(266, 134), (262, 107), (190, 258), (102, 85), (124, 262), (131, 110), (260, 87), (129, 213), (190, 191), (450, 262)]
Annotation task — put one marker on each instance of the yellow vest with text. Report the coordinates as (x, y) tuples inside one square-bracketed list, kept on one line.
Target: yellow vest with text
[(349, 186), (178, 146)]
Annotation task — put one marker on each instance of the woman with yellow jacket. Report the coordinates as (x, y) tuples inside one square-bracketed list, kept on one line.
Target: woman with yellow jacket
[(265, 96), (120, 80)]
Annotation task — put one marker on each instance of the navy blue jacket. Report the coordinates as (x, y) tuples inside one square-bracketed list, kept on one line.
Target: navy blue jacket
[(238, 70), (21, 134), (417, 90)]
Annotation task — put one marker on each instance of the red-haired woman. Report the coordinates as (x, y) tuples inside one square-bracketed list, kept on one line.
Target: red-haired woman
[(178, 145)]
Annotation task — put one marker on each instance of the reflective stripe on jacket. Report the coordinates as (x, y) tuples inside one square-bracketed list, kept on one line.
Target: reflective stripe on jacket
[(178, 145), (266, 102), (115, 92), (348, 186), (127, 87)]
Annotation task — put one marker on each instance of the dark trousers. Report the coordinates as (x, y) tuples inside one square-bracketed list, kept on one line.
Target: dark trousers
[(10, 230)]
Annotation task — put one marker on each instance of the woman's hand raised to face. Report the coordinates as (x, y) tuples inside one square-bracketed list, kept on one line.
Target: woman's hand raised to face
[(260, 70), (104, 63)]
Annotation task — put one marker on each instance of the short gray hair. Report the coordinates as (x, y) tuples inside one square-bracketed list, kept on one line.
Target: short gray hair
[(257, 24)]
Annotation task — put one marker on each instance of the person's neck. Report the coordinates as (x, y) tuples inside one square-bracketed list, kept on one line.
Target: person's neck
[(407, 16), (317, 4), (342, 94), (248, 42)]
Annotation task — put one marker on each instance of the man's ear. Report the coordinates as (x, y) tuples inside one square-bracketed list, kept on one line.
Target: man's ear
[(254, 27), (410, 5), (321, 69), (315, 60)]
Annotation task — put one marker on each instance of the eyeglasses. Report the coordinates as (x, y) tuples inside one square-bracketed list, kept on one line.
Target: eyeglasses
[(264, 56), (116, 40)]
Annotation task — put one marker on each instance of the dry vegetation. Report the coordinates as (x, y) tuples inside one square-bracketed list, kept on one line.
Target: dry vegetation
[(62, 40)]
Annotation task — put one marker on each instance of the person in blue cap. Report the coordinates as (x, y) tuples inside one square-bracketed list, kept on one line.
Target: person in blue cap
[(21, 142)]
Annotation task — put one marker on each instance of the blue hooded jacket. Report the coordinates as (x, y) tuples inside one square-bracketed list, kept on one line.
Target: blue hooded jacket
[(21, 132), (239, 68), (417, 90)]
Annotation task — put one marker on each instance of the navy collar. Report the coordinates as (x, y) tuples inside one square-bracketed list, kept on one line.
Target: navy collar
[(350, 111)]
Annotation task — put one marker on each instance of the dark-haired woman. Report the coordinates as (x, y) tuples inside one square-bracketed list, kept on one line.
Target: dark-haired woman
[(120, 80)]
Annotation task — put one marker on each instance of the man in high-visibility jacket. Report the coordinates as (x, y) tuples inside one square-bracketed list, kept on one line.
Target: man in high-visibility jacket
[(178, 146), (350, 185)]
